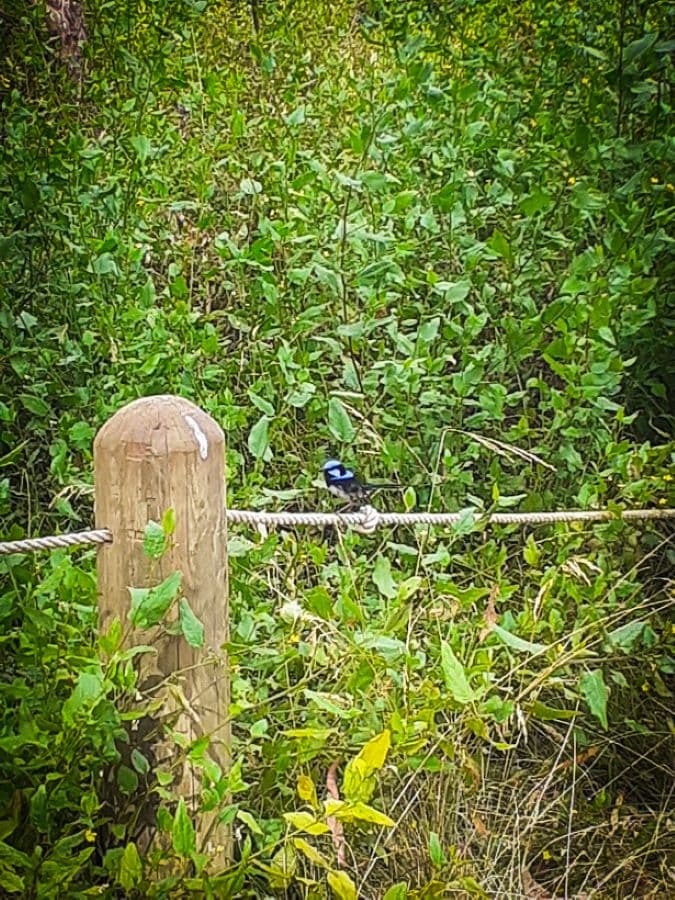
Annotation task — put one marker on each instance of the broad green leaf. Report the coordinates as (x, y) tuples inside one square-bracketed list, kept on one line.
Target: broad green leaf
[(190, 626), (149, 605), (142, 146), (304, 821), (131, 868), (127, 780), (35, 405), (154, 540), (86, 693), (183, 831), (535, 202), (374, 181), (429, 330), (382, 577), (455, 677), (595, 692), (258, 438), (397, 891), (499, 244), (342, 886), (640, 46), (436, 853), (249, 821), (517, 643), (139, 762), (626, 635), (297, 117), (339, 423)]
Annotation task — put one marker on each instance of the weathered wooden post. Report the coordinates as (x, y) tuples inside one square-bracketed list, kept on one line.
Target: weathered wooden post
[(154, 454)]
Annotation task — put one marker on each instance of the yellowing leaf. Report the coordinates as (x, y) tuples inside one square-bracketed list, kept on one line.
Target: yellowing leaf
[(352, 812), (307, 791), (312, 855), (342, 886), (304, 821), (358, 783)]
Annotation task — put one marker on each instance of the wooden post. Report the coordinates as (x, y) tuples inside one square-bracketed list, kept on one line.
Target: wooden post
[(154, 454)]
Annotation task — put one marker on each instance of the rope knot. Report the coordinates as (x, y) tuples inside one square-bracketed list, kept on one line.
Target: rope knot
[(371, 519)]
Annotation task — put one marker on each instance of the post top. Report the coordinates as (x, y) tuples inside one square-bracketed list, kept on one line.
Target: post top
[(165, 423)]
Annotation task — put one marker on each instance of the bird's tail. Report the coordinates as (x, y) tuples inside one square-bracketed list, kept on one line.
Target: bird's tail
[(385, 487)]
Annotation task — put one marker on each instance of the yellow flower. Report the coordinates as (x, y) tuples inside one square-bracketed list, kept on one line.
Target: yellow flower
[(667, 477), (654, 180), (571, 180), (670, 187), (585, 80), (662, 501), (90, 835)]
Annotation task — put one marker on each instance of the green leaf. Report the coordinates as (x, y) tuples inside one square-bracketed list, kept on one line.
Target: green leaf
[(258, 438), (436, 853), (139, 762), (640, 46), (339, 423), (88, 691), (517, 643), (249, 821), (595, 691), (382, 577), (374, 181), (142, 146), (154, 541), (397, 891), (127, 780), (626, 635), (169, 521), (455, 677), (190, 626), (297, 117), (499, 244), (131, 868), (429, 330), (183, 831), (149, 605), (35, 405)]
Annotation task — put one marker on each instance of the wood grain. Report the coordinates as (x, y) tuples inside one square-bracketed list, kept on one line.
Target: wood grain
[(153, 454)]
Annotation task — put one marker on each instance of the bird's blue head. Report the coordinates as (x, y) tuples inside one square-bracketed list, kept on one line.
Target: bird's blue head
[(331, 464)]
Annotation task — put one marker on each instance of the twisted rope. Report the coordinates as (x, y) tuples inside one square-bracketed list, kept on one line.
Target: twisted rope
[(366, 520), (55, 541)]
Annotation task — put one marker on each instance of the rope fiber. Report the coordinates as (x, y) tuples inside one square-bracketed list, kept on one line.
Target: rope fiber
[(366, 520)]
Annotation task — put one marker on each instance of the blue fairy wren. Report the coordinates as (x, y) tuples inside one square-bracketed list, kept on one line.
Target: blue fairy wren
[(343, 483)]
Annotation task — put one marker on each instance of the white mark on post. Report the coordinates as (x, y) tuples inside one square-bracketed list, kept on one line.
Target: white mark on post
[(199, 435)]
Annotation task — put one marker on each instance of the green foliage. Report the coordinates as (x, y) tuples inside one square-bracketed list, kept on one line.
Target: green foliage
[(434, 239)]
